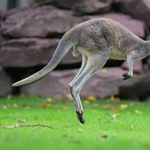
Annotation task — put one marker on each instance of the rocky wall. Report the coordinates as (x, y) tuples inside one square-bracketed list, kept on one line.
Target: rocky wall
[(29, 37)]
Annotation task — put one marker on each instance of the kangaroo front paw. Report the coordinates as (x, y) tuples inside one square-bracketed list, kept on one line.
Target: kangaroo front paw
[(80, 117), (126, 76)]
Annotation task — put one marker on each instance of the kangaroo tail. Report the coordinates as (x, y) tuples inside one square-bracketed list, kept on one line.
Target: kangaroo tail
[(63, 47)]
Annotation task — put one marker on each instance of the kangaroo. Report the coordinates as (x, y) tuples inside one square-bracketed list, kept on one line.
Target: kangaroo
[(97, 40)]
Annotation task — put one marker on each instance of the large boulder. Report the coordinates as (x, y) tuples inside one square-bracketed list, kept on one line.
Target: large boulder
[(137, 88), (48, 21), (1, 19), (29, 52), (104, 83), (59, 3), (2, 14), (13, 11), (139, 9), (5, 83), (138, 27), (56, 83), (39, 22), (84, 7), (93, 6)]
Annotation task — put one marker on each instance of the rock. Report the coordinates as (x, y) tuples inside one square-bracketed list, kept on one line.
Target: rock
[(92, 6), (145, 68), (39, 22), (1, 19), (148, 62), (104, 83), (62, 4), (29, 52), (2, 14), (5, 83), (136, 88), (148, 38), (138, 27), (49, 21), (137, 66), (84, 7), (1, 39), (136, 8), (116, 2), (56, 83), (13, 12)]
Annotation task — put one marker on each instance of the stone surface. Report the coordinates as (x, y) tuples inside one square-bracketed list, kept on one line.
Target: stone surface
[(1, 19), (56, 83), (59, 3), (137, 66), (84, 7), (148, 62), (49, 21), (104, 83), (137, 88), (2, 14), (5, 83), (29, 52), (1, 39), (148, 38), (39, 22), (139, 9), (13, 12), (138, 27), (92, 6)]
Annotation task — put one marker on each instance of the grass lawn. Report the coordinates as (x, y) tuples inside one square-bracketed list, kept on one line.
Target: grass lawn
[(35, 123)]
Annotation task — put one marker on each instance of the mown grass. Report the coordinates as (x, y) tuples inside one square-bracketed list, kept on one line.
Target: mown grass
[(130, 131)]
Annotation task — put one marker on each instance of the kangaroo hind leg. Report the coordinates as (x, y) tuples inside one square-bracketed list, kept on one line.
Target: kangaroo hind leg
[(94, 63), (84, 63)]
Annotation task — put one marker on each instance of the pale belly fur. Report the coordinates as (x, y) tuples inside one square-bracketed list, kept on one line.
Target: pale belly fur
[(118, 54)]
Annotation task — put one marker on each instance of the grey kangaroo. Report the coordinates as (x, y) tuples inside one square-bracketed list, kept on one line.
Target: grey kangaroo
[(96, 40)]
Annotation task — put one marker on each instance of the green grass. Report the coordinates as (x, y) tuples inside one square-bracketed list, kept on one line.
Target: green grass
[(131, 131)]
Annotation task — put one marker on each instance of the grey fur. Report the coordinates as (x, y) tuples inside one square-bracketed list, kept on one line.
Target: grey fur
[(96, 40)]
